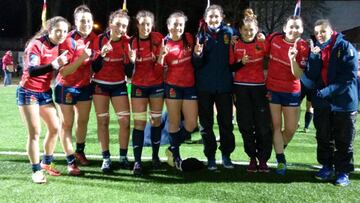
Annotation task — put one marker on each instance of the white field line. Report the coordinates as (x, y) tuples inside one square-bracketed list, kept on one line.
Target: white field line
[(99, 157)]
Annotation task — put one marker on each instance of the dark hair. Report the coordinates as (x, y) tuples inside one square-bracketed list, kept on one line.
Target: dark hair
[(248, 20), (81, 9), (324, 22), (48, 26), (118, 13), (293, 18), (214, 7)]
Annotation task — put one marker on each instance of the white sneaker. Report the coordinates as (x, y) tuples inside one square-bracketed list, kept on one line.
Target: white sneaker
[(106, 165), (39, 177)]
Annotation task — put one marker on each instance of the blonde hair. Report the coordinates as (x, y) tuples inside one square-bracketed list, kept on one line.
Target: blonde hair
[(176, 15), (249, 13), (143, 14)]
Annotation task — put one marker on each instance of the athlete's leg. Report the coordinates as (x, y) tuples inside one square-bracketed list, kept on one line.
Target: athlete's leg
[(49, 116), (31, 117)]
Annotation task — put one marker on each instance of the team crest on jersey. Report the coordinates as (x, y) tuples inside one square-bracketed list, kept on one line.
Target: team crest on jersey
[(138, 92), (172, 92), (98, 89), (34, 60), (257, 48), (33, 99), (226, 39), (339, 53), (68, 98), (268, 96), (303, 61)]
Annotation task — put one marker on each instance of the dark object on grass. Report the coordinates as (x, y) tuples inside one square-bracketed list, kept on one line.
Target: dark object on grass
[(191, 164)]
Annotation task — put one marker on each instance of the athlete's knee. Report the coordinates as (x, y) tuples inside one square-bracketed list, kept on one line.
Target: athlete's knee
[(123, 117), (82, 121), (53, 130), (140, 116), (66, 125), (34, 137), (140, 119), (289, 131), (190, 127), (103, 119), (155, 118)]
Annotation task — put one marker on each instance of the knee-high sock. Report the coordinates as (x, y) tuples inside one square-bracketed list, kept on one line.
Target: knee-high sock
[(174, 144), (155, 140), (138, 142), (308, 118), (184, 135)]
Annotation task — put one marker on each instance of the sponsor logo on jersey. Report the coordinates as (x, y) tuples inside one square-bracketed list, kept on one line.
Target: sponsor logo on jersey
[(47, 55), (276, 45)]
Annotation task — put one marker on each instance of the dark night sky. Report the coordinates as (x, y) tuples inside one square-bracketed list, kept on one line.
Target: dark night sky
[(13, 15)]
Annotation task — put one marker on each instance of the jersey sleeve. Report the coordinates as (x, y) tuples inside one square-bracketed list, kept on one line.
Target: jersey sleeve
[(303, 54), (70, 45), (156, 40), (34, 56)]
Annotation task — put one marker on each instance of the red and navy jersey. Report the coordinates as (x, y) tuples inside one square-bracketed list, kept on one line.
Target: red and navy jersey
[(113, 69), (146, 73), (280, 77), (39, 52), (7, 60), (180, 70), (75, 45), (253, 71)]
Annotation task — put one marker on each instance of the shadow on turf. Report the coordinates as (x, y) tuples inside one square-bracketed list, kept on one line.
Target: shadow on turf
[(168, 175)]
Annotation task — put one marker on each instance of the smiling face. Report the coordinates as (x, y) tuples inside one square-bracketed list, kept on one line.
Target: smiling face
[(84, 23), (248, 31), (293, 29), (144, 26), (118, 26), (176, 26), (213, 18), (57, 34), (323, 33)]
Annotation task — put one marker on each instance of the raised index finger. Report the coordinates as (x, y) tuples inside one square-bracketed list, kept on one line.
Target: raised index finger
[(87, 45), (64, 53), (296, 41)]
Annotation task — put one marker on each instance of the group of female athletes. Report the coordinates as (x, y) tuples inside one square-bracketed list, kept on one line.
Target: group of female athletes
[(190, 73)]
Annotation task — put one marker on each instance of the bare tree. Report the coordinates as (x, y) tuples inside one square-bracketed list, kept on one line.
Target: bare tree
[(233, 9), (272, 14), (29, 19)]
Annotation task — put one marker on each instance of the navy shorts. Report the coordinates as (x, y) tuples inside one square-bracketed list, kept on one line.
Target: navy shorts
[(284, 98), (176, 92), (110, 90), (156, 91), (71, 95), (28, 97)]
